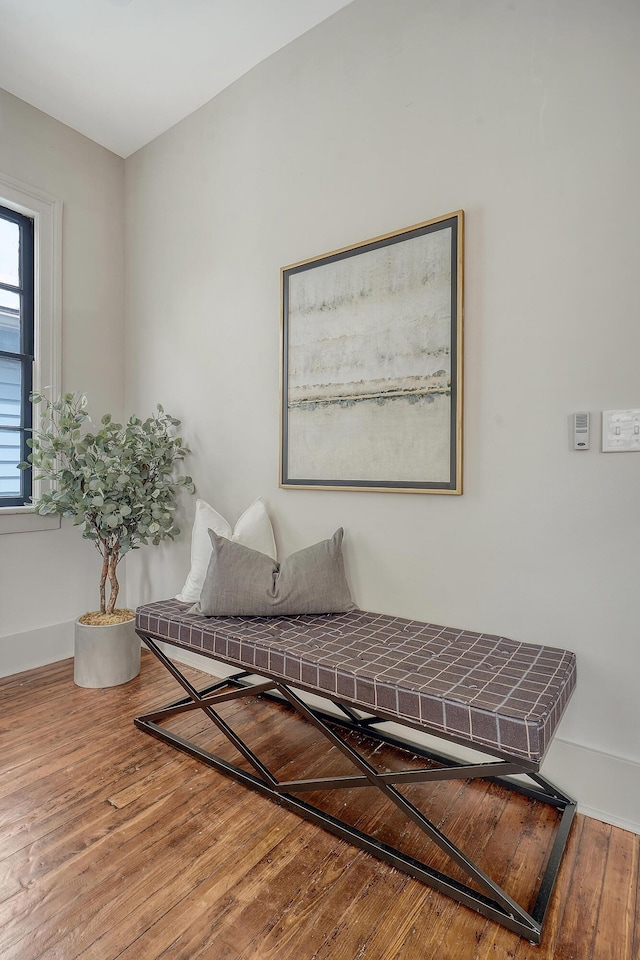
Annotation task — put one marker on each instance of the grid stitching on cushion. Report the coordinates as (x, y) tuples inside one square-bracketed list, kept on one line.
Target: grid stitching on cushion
[(484, 689)]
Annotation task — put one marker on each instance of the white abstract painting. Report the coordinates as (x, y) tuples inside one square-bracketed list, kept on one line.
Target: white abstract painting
[(368, 340)]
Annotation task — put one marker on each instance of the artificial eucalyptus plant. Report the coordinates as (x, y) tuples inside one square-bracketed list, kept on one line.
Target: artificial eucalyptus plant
[(118, 483)]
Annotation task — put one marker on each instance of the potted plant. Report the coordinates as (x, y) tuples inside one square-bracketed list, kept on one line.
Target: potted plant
[(118, 484)]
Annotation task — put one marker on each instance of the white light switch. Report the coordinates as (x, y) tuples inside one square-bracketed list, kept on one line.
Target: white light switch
[(620, 431)]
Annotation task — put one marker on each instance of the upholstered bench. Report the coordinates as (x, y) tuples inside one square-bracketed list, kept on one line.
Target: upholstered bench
[(495, 695)]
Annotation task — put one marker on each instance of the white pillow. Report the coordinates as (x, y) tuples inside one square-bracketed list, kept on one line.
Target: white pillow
[(252, 530)]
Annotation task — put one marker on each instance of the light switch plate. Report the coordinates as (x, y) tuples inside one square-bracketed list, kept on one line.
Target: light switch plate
[(620, 431)]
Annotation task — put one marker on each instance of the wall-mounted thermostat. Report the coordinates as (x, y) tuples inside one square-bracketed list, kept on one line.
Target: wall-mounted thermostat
[(620, 431), (581, 424)]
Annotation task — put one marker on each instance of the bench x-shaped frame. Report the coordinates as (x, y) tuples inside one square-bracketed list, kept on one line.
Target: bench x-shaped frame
[(493, 902)]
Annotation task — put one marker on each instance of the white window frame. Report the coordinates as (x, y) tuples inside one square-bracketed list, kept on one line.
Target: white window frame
[(46, 212)]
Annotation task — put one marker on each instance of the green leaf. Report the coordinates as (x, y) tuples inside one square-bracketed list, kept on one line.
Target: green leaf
[(118, 483)]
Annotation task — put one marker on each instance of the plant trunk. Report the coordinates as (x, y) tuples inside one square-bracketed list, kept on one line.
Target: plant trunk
[(113, 581), (103, 580)]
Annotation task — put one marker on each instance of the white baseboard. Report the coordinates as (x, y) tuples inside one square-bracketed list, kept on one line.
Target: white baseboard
[(35, 648), (606, 787)]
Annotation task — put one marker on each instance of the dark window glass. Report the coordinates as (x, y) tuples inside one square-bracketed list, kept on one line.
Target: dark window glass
[(16, 353)]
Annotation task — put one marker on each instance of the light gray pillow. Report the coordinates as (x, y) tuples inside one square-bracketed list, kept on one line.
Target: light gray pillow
[(241, 582)]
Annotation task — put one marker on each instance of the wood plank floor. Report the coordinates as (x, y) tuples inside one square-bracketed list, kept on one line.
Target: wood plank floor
[(113, 845)]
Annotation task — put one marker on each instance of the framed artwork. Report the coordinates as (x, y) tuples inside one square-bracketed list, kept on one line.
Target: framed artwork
[(371, 364)]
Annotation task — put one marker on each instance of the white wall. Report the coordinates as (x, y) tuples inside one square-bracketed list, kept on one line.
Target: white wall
[(385, 115), (49, 578)]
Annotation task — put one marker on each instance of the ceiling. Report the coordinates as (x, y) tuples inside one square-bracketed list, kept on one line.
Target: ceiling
[(123, 71)]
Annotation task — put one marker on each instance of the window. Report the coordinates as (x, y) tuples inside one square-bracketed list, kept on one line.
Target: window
[(16, 353), (30, 337)]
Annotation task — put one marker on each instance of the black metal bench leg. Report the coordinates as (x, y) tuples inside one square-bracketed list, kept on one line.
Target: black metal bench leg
[(493, 902)]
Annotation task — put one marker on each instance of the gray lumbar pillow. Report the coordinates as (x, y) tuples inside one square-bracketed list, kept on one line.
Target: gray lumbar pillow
[(241, 582)]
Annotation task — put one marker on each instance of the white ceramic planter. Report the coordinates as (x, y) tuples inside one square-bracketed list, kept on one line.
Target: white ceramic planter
[(106, 656)]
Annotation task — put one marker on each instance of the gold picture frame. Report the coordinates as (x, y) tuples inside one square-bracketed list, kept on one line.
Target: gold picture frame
[(371, 364)]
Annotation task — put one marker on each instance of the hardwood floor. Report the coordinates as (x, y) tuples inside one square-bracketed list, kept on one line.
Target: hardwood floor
[(114, 845)]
